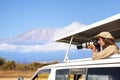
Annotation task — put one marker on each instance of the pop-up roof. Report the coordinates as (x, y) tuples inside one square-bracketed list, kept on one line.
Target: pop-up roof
[(84, 34)]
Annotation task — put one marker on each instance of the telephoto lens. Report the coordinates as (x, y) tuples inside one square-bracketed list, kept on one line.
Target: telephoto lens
[(83, 45), (86, 44)]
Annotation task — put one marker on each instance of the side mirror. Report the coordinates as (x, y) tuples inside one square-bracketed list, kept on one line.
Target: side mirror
[(20, 78)]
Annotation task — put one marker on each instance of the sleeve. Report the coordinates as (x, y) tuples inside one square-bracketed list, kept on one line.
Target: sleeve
[(108, 51)]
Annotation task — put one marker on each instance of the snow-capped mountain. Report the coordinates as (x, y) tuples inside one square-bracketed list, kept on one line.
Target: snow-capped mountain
[(41, 36), (36, 36)]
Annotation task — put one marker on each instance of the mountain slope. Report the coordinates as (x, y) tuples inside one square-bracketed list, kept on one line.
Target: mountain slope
[(37, 36), (41, 36)]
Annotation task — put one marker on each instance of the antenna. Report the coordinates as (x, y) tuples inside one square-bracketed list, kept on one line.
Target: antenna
[(66, 59)]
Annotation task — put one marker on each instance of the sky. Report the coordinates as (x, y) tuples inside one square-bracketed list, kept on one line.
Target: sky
[(19, 16)]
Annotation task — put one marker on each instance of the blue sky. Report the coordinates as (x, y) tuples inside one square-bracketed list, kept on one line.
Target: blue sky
[(18, 16)]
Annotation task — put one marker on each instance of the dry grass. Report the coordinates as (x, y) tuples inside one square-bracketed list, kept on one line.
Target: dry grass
[(13, 75), (16, 73), (12, 78)]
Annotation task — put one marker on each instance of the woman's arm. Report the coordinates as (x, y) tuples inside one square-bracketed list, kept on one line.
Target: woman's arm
[(108, 51)]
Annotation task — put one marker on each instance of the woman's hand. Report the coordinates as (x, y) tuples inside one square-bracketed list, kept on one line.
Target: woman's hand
[(91, 46)]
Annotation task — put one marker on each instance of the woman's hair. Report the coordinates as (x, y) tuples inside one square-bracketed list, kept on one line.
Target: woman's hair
[(109, 42)]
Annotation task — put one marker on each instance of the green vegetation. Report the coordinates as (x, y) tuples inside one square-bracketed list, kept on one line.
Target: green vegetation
[(13, 66)]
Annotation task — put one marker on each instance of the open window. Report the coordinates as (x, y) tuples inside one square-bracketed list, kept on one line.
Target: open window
[(71, 74)]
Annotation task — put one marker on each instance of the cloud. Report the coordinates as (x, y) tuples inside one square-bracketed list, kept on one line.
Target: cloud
[(7, 47), (68, 29), (34, 48), (42, 48)]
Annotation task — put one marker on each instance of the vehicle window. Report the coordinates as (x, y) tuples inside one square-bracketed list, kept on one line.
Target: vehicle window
[(99, 77), (103, 74), (78, 77), (62, 74), (70, 74), (43, 75), (79, 73)]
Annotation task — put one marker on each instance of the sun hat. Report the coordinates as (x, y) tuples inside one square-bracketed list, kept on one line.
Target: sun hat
[(105, 34)]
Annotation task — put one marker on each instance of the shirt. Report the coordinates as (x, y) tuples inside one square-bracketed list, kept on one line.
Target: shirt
[(108, 51)]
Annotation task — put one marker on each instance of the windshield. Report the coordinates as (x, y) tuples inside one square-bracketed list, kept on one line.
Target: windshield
[(42, 74)]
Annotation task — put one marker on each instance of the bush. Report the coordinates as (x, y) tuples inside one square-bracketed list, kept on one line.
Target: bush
[(12, 65), (2, 61)]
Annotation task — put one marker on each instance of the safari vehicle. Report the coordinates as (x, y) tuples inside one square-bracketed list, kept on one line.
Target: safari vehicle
[(86, 69)]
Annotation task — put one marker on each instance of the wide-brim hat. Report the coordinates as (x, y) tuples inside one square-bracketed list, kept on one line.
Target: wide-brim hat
[(105, 34)]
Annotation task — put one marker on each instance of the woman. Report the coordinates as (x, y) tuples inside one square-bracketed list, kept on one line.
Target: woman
[(106, 41)]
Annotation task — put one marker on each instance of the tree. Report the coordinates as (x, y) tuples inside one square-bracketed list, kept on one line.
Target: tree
[(2, 61), (36, 65), (10, 65)]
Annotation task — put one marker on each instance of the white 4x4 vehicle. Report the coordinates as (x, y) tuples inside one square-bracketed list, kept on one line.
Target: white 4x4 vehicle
[(85, 69)]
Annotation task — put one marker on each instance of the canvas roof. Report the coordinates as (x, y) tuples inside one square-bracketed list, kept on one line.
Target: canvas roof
[(84, 34)]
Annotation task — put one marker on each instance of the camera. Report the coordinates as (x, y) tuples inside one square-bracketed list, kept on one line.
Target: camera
[(86, 44)]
